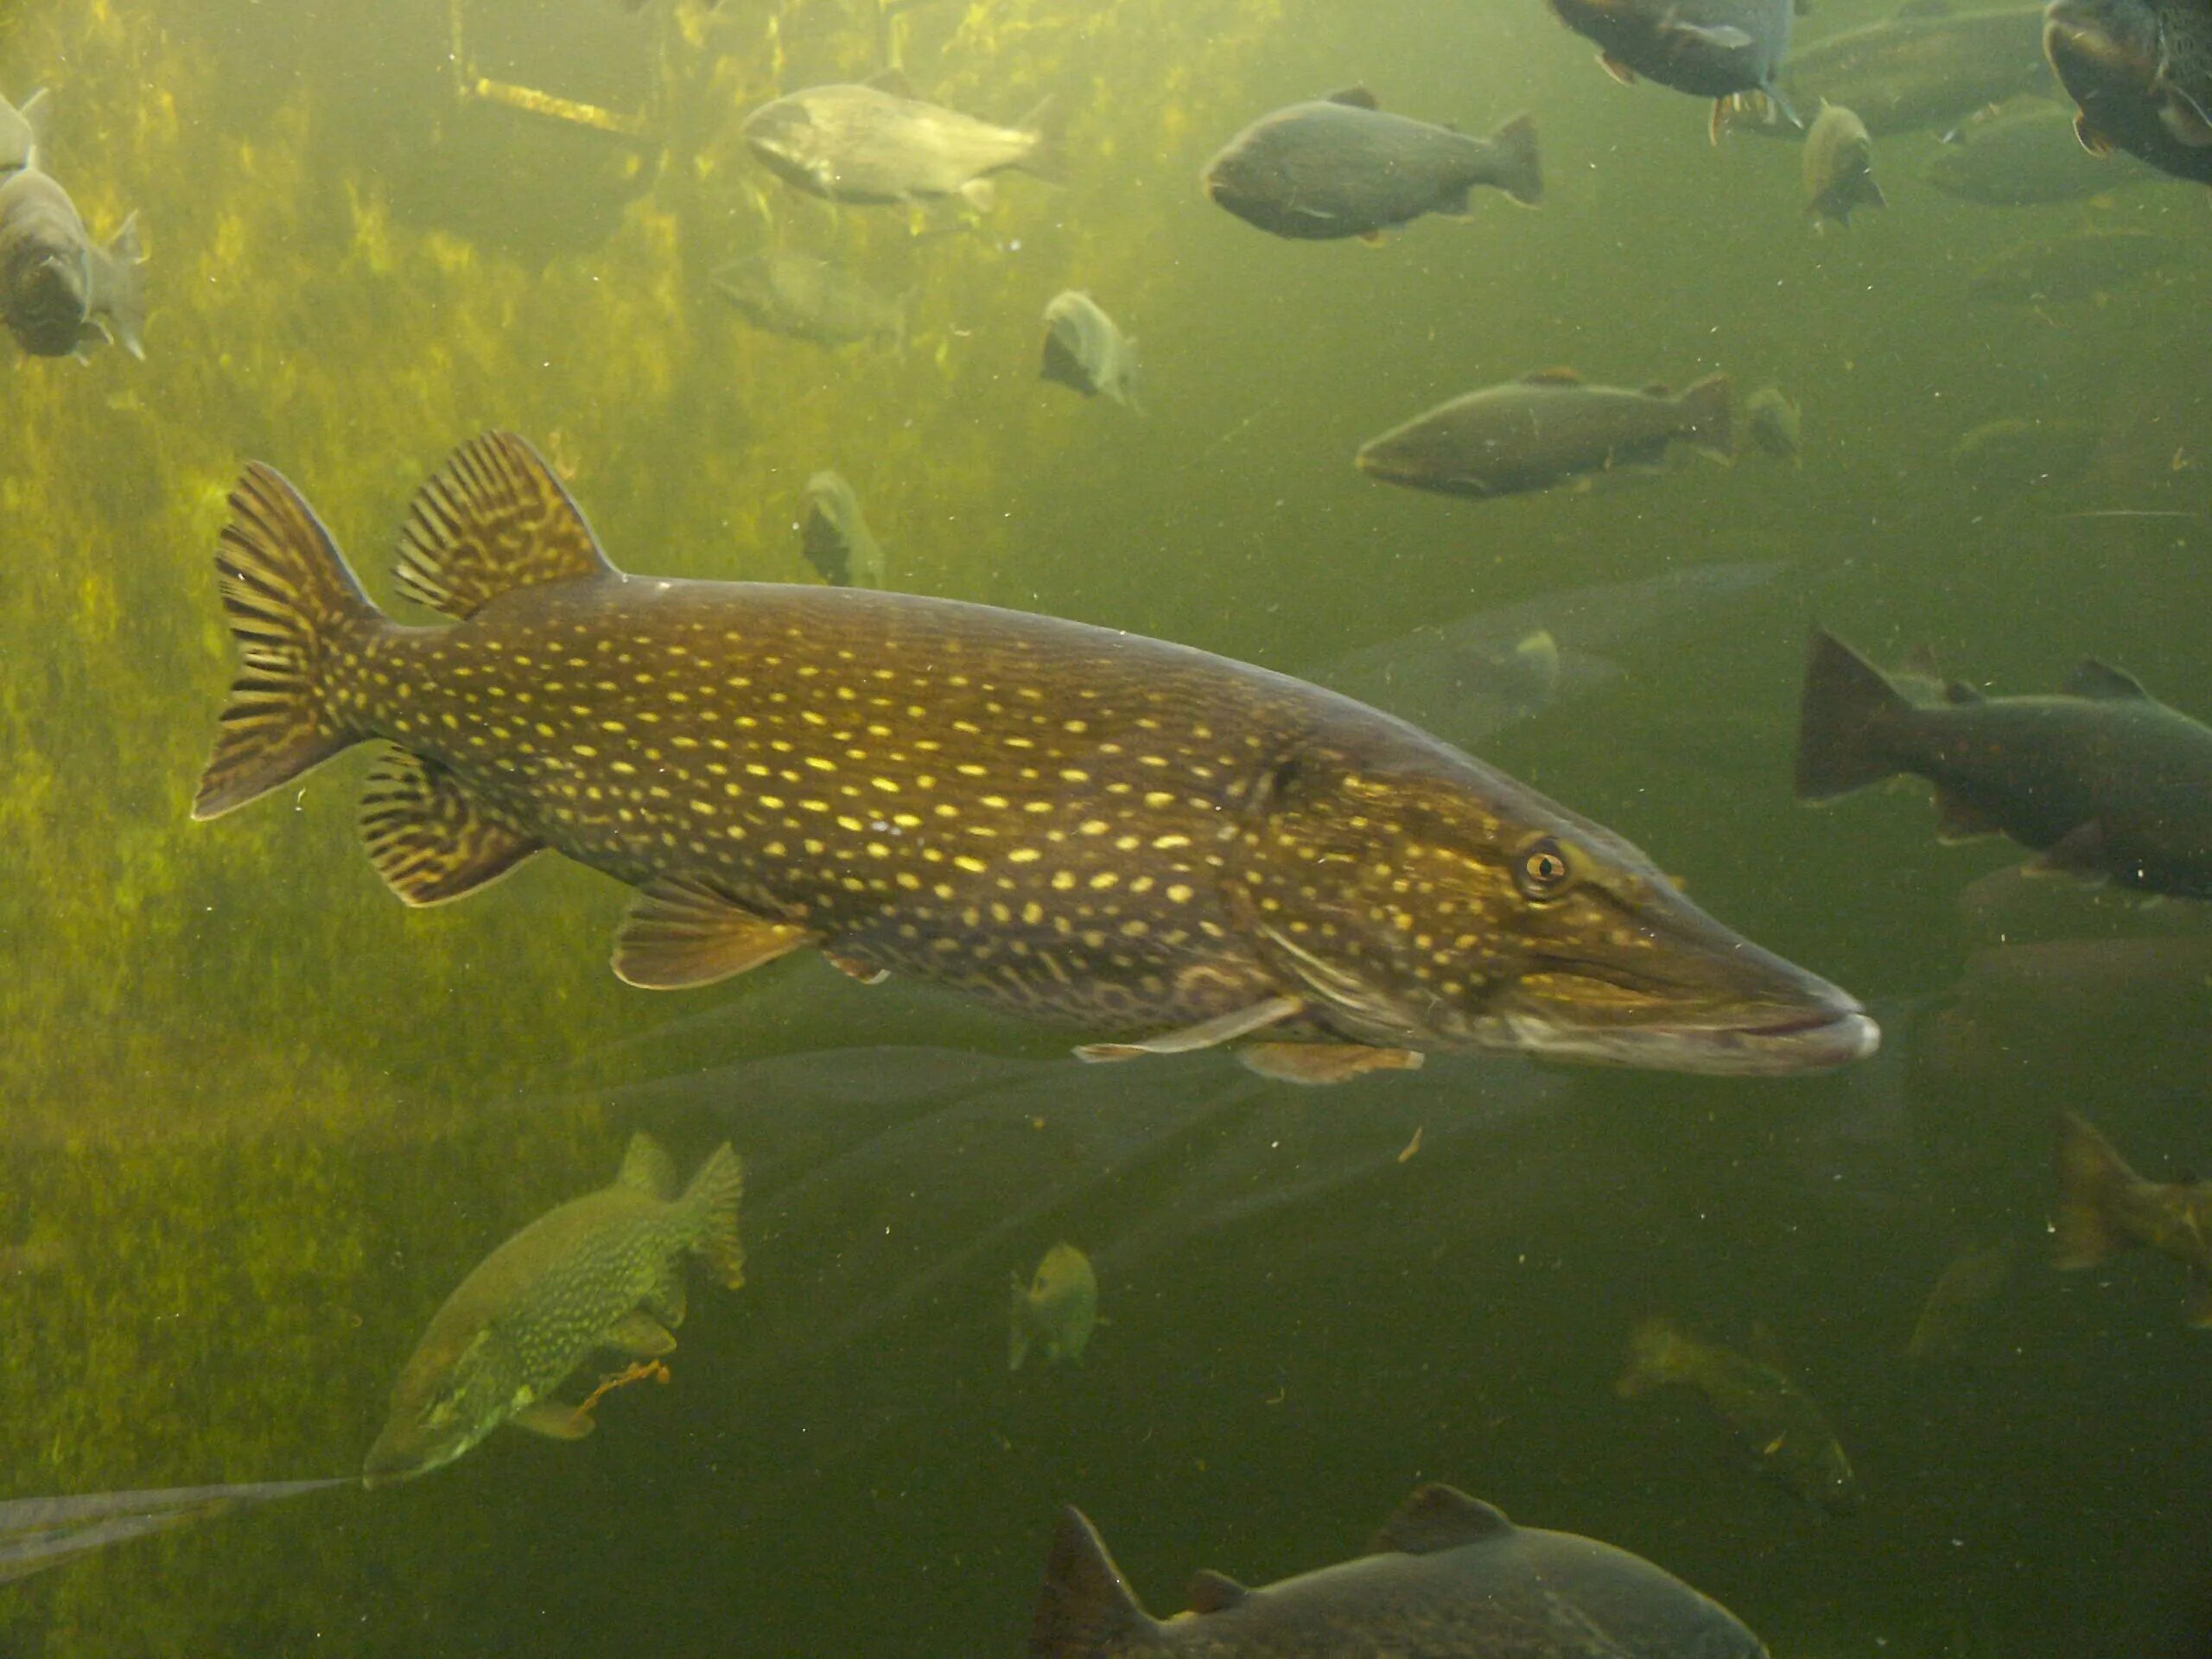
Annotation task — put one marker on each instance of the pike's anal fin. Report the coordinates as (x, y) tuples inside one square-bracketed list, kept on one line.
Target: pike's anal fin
[(678, 935), (427, 835), (1320, 1064), (554, 1421), (1958, 819), (1208, 1034), (638, 1333), (856, 968)]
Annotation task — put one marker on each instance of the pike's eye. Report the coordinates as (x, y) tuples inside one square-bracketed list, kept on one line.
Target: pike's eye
[(1542, 872)]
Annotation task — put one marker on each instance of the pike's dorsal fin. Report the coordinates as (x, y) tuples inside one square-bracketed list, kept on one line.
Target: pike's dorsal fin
[(679, 935), (494, 519), (1356, 98), (1553, 377), (2096, 680), (427, 835), (1087, 1607), (1438, 1517), (647, 1168), (1215, 1593)]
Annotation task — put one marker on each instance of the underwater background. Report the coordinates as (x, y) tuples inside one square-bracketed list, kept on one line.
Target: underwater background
[(260, 1118)]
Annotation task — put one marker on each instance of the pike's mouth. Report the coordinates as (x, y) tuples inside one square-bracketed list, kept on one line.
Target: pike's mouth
[(1772, 1047)]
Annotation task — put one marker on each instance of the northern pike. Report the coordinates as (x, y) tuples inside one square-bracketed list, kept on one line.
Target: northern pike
[(1060, 820)]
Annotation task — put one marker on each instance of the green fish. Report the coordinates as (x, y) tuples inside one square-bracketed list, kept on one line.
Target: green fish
[(1055, 1311), (1068, 821), (602, 1272)]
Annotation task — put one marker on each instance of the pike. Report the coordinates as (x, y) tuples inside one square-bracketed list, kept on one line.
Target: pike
[(1069, 822)]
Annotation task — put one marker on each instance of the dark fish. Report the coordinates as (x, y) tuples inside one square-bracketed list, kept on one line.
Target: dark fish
[(1341, 167), (877, 144), (2026, 157), (801, 297), (1719, 49), (835, 537), (1085, 350), (1069, 821), (2079, 265), (2104, 1207), (1840, 167), (1448, 1577), (1929, 67), (1777, 425), (604, 1272), (37, 1533), (22, 130), (1055, 1311), (1783, 1427), (59, 290), (2140, 71), (1547, 429), (2105, 782)]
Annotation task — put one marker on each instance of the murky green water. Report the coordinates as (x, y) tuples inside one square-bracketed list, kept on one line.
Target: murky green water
[(261, 1118)]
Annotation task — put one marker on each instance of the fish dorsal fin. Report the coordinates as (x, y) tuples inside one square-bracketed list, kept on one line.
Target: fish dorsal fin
[(647, 1168), (893, 81), (1438, 1517), (2096, 680), (494, 519), (1215, 1593), (1354, 97), (429, 839), (679, 934), (1554, 377), (1086, 1607), (1960, 693)]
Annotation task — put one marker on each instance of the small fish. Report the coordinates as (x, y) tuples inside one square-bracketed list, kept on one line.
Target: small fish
[(1066, 822), (1783, 1425), (1086, 350), (2079, 265), (876, 143), (1340, 167), (2105, 782), (1777, 425), (1720, 49), (601, 1272), (2104, 1207), (1959, 1298), (1928, 68), (1839, 167), (835, 537), (2026, 157), (22, 130), (2140, 71), (2016, 452), (1447, 1576), (801, 297), (1544, 430), (59, 290), (1056, 1312)]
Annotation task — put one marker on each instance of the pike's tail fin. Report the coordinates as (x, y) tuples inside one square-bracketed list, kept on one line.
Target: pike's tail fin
[(713, 1199), (292, 605), (1849, 703), (1086, 1609), (2092, 1180), (1521, 163)]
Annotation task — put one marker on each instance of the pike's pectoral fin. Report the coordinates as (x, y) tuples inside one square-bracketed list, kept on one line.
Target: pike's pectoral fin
[(1959, 819), (554, 1421), (639, 1334), (1209, 1034), (678, 934), (428, 837), (1619, 71), (1325, 1062), (494, 519)]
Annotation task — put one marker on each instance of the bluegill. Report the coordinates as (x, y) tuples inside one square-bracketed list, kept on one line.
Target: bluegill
[(1055, 1311), (2104, 1207), (1839, 167), (2140, 72), (1342, 166), (1086, 350), (60, 291), (835, 538), (1447, 1577), (602, 1272), (1066, 821), (876, 143)]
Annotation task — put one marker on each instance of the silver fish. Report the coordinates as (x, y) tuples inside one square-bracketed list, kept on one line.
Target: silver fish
[(876, 143), (1839, 167), (59, 290), (835, 537), (1085, 349)]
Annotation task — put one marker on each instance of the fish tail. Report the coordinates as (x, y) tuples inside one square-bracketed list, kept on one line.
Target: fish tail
[(1655, 1351), (1848, 709), (292, 605), (1709, 406), (2092, 1180), (122, 298), (1047, 127), (1086, 1609), (713, 1199), (1521, 163)]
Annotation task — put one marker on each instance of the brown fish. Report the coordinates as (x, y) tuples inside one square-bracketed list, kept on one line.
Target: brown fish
[(1062, 820), (2104, 1207)]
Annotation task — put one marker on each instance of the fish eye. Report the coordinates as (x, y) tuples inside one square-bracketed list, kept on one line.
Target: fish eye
[(1542, 871)]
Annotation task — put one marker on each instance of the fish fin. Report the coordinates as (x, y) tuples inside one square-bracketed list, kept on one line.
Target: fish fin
[(291, 602), (1619, 71), (2091, 140), (640, 1335), (1843, 715), (2184, 123), (1318, 1064), (892, 80), (1521, 157), (647, 1168), (1207, 1033), (2100, 680), (121, 298), (981, 194), (1046, 124), (856, 968), (1654, 1357), (1210, 1592), (1063, 366), (1716, 124), (554, 1421), (1658, 389), (1552, 377), (1354, 97), (1960, 694), (1086, 1608), (37, 112), (2091, 1175), (713, 1199), (668, 1299), (428, 838), (1709, 405), (495, 518), (2080, 852), (1958, 819), (678, 934), (1439, 1518)]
